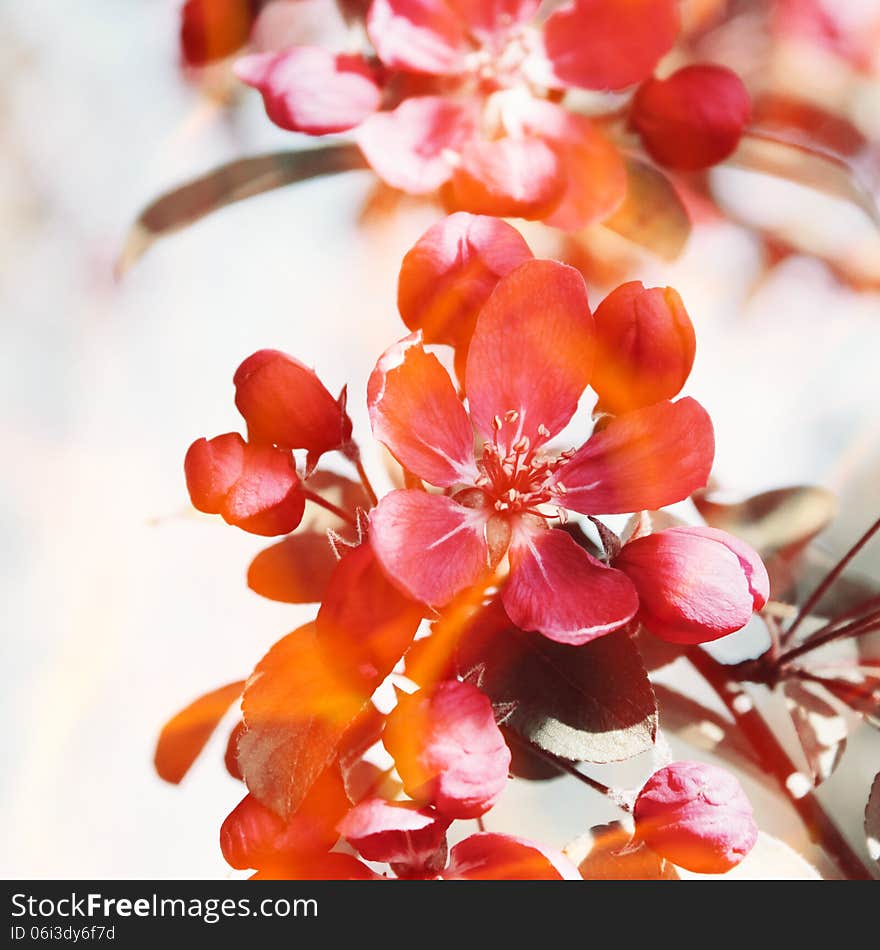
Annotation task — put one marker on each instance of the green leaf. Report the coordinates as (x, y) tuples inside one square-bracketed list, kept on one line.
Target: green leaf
[(230, 183), (592, 703)]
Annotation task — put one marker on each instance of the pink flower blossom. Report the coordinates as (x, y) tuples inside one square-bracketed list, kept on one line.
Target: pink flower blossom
[(529, 361)]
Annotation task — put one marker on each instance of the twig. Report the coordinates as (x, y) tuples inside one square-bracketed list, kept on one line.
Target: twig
[(335, 509), (857, 628)]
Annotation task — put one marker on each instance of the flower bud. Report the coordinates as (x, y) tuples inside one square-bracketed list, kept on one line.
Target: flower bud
[(448, 750), (411, 839), (645, 347), (697, 816), (694, 118), (254, 487), (694, 584), (285, 404), (213, 29)]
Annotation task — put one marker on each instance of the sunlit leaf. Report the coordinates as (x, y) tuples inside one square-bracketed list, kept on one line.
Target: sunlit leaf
[(183, 737), (606, 853), (820, 728), (872, 819), (223, 186), (295, 570), (652, 214), (591, 703)]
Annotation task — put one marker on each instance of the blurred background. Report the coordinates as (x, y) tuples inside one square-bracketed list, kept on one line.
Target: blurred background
[(120, 604)]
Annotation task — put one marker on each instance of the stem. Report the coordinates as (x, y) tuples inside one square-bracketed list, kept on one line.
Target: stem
[(353, 454), (830, 578), (339, 512), (855, 629), (776, 761)]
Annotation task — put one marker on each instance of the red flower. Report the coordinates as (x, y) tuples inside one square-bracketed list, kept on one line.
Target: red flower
[(483, 127), (252, 486), (694, 118), (448, 750), (695, 584), (529, 361), (697, 816)]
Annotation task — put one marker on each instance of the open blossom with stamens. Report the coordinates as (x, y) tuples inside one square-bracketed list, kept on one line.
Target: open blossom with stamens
[(529, 361), (484, 125)]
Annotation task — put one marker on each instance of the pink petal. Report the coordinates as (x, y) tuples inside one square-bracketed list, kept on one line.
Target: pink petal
[(609, 44), (429, 545), (491, 19), (409, 147), (415, 412), (450, 272), (420, 36), (644, 459), (697, 816), (400, 833), (595, 176), (558, 589), (448, 750), (309, 89), (693, 586), (495, 857), (531, 352), (508, 177)]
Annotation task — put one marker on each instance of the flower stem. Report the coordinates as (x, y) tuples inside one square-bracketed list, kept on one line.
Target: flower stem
[(339, 512), (857, 628), (776, 761), (353, 454), (830, 578)]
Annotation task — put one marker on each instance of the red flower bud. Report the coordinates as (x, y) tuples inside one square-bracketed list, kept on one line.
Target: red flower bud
[(284, 403), (694, 584), (448, 750), (411, 839), (692, 119), (697, 816), (254, 487), (646, 347), (213, 29)]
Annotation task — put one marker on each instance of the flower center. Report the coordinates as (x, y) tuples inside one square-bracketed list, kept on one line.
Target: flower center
[(499, 64)]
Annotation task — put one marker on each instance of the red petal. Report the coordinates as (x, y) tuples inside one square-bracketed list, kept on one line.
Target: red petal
[(532, 352), (645, 347), (609, 44), (694, 118), (508, 177), (295, 570), (697, 816), (284, 402), (309, 89), (415, 412), (642, 460), (183, 737), (449, 273), (448, 750), (400, 833), (252, 836), (692, 585), (332, 866), (429, 545), (365, 624), (494, 857), (408, 148), (556, 588), (595, 175), (420, 36), (213, 29), (491, 19), (254, 487)]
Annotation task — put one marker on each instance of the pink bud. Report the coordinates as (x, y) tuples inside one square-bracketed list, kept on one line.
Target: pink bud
[(284, 403), (254, 487), (694, 584), (448, 750), (411, 839), (697, 816), (694, 118), (645, 347)]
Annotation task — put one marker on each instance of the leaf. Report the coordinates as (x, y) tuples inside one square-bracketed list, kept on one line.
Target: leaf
[(820, 728), (652, 214), (296, 711), (183, 737), (804, 164), (223, 186), (605, 853), (295, 570), (591, 703), (872, 819)]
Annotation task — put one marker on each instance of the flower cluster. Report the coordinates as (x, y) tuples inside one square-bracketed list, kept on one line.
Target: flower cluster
[(466, 98)]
